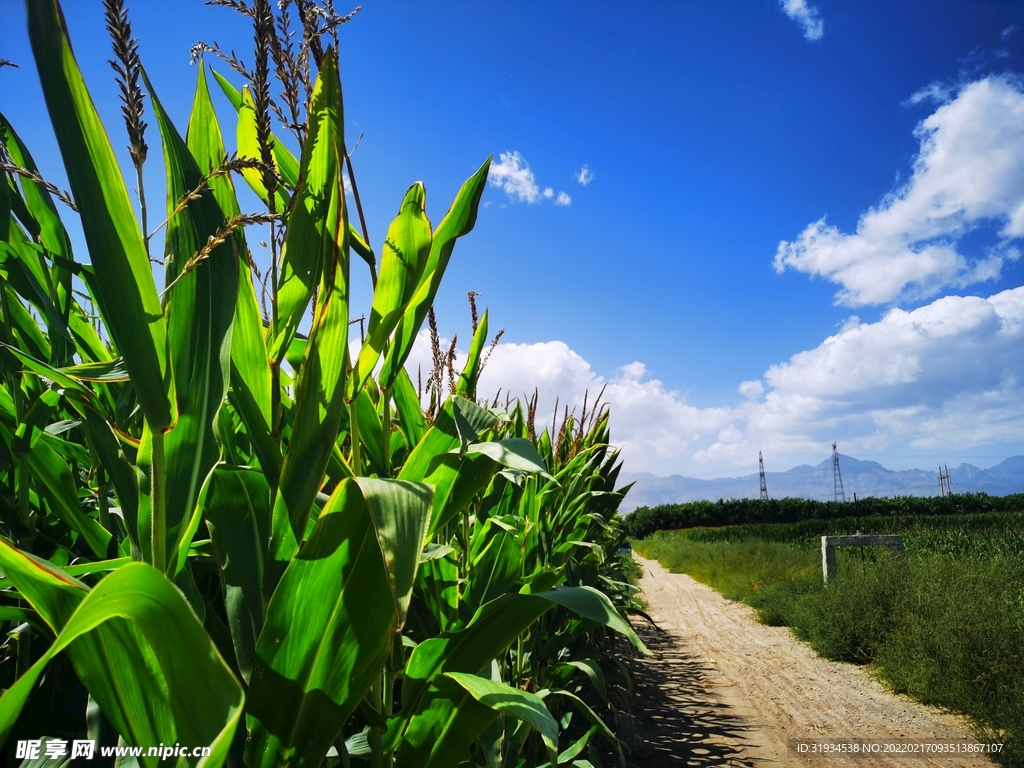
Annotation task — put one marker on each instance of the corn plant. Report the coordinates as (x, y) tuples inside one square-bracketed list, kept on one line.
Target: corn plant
[(243, 533)]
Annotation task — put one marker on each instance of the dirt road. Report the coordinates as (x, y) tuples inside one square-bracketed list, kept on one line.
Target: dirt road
[(724, 689)]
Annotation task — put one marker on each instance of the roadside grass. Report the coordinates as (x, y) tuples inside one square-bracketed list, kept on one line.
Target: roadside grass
[(945, 627)]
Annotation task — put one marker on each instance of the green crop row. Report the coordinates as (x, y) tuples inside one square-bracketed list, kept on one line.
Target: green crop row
[(220, 529), (644, 521)]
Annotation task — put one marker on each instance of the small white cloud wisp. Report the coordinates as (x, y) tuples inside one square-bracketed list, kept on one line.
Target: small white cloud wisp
[(969, 173), (806, 15), (513, 175), (584, 175)]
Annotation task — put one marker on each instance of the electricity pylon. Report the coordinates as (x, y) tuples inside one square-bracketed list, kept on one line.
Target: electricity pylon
[(837, 477), (944, 487), (764, 485)]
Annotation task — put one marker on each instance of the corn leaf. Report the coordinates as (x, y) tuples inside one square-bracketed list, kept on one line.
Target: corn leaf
[(471, 373), (403, 259), (313, 238), (236, 506), (318, 228), (56, 483), (287, 165), (200, 313), (522, 705), (133, 605), (459, 220), (125, 288), (332, 618), (248, 350)]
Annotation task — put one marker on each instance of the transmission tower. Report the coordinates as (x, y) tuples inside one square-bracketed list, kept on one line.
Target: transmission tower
[(837, 477), (764, 485), (944, 487)]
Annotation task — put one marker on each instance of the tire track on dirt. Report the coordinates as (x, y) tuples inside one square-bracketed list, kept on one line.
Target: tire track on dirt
[(725, 689)]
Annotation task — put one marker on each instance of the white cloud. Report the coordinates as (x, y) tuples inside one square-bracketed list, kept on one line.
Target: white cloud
[(513, 175), (751, 390), (806, 15), (584, 175), (947, 376), (969, 173)]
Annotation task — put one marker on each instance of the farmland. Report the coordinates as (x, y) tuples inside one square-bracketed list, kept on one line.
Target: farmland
[(945, 627)]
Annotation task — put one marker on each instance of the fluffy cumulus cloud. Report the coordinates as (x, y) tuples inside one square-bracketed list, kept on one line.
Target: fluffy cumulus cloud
[(513, 175), (969, 173), (948, 375), (806, 15)]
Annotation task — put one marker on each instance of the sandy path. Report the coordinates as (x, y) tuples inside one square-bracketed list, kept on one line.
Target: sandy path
[(730, 691)]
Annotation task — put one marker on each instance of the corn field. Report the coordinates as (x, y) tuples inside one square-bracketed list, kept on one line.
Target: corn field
[(223, 523)]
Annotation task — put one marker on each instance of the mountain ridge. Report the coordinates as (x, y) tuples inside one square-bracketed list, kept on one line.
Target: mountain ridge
[(860, 476)]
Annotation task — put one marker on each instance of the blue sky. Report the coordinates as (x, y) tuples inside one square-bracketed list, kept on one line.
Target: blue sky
[(800, 223)]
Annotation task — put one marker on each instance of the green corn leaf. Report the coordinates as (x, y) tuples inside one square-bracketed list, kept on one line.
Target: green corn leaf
[(248, 350), (496, 561), (403, 258), (459, 220), (408, 408), (106, 370), (236, 506), (592, 717), (202, 715), (514, 453), (200, 313), (453, 720), (364, 251), (124, 288), (87, 341), (25, 328), (6, 192), (458, 423), (490, 633), (471, 373), (53, 236), (313, 238), (589, 603), (38, 201), (287, 165), (30, 278), (522, 705), (371, 433), (249, 149), (319, 227), (257, 426), (458, 480), (55, 481), (332, 617)]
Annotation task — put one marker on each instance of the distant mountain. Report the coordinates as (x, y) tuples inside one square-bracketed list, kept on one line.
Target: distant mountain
[(865, 478)]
